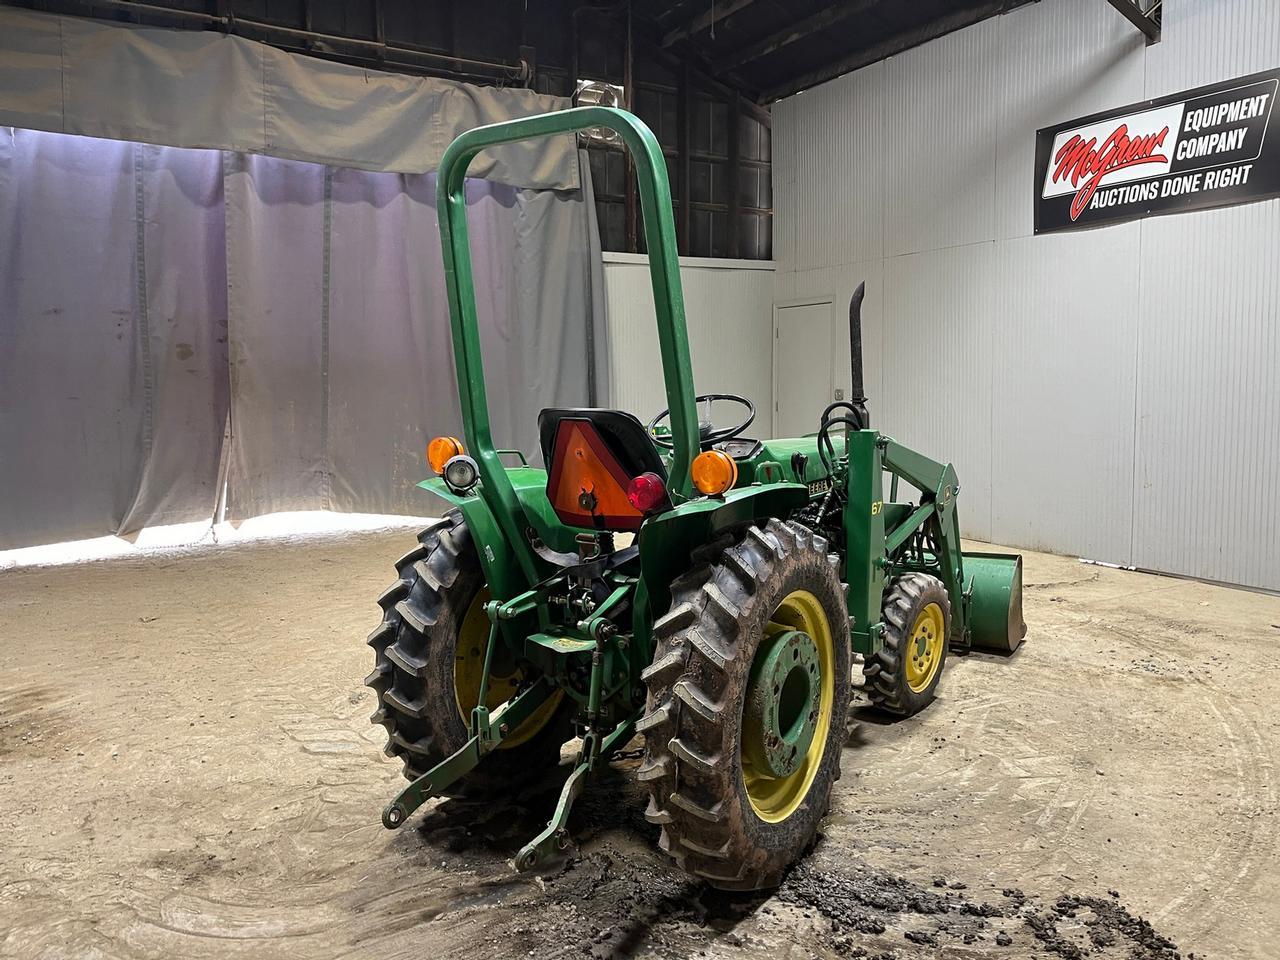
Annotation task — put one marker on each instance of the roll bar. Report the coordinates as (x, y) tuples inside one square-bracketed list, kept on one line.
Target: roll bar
[(664, 272)]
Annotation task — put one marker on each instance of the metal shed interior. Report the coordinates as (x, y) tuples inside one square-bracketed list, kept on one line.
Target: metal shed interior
[(221, 335), (697, 72)]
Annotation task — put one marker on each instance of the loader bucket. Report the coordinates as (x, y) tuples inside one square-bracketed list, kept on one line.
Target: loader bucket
[(994, 585)]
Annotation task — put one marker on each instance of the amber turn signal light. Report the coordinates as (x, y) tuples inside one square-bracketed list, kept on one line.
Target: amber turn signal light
[(441, 450), (714, 472)]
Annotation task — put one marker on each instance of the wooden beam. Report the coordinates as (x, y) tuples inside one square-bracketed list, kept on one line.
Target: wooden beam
[(727, 86), (789, 34), (705, 19), (702, 78)]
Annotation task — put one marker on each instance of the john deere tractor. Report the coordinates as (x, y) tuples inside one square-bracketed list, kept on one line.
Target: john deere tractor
[(709, 591)]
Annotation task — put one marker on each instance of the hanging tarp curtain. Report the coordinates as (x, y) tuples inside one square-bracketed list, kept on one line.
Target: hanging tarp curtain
[(202, 88), (287, 282), (335, 281), (113, 336), (146, 291)]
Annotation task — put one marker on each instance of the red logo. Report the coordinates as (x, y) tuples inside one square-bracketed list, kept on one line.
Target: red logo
[(1083, 159)]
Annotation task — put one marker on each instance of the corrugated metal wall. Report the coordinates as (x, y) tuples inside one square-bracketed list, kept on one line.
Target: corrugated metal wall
[(1111, 393), (729, 314)]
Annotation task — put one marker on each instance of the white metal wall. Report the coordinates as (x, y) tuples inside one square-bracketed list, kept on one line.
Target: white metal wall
[(1110, 393), (729, 313)]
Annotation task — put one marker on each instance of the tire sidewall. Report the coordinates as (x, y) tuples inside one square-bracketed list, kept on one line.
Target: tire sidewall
[(450, 726)]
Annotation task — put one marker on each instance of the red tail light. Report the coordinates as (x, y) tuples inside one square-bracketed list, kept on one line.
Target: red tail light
[(646, 492)]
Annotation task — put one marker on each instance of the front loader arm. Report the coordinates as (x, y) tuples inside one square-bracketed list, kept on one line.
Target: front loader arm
[(870, 545), (939, 487)]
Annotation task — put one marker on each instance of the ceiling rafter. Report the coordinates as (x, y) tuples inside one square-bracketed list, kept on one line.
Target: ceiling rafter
[(1146, 17), (791, 33), (707, 18), (896, 44)]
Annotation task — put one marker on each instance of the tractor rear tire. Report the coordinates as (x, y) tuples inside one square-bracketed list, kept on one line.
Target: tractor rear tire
[(416, 646), (902, 677), (721, 819)]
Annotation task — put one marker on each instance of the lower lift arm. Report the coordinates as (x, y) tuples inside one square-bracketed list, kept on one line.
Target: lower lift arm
[(487, 733), (482, 742)]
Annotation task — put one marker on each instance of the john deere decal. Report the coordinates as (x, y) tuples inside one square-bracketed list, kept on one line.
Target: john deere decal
[(1209, 147)]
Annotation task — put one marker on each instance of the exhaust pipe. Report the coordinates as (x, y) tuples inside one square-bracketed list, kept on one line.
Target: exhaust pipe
[(857, 392)]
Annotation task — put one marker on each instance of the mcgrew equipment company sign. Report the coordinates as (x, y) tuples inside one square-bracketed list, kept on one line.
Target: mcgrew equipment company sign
[(1208, 147)]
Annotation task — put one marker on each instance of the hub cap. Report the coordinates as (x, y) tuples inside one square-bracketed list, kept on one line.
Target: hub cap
[(924, 649), (787, 713), (782, 703)]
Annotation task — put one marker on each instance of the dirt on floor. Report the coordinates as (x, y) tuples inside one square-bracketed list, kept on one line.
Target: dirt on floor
[(187, 770)]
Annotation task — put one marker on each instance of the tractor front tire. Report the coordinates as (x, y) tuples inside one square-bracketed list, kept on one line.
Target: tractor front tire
[(433, 631), (902, 676), (751, 665)]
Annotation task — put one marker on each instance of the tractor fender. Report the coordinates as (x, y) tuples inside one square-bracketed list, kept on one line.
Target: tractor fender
[(668, 540), (501, 571)]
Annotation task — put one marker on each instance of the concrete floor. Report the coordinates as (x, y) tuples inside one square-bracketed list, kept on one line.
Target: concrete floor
[(187, 770)]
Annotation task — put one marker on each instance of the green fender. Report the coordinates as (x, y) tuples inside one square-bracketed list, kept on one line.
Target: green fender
[(668, 540), (497, 558), (501, 571)]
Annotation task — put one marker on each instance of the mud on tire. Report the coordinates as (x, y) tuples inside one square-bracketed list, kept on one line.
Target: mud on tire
[(697, 684), (413, 674)]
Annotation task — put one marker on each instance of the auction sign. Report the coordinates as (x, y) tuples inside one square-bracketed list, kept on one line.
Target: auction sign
[(1209, 147)]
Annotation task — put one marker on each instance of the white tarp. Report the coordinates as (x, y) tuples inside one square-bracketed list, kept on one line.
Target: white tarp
[(201, 88), (113, 335), (342, 365), (146, 291), (290, 278)]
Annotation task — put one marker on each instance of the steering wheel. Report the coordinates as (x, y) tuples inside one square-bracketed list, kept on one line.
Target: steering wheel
[(707, 434)]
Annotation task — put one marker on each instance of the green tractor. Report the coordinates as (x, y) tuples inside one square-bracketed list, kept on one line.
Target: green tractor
[(687, 583)]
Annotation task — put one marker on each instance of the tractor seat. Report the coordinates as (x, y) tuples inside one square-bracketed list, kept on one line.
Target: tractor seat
[(592, 455)]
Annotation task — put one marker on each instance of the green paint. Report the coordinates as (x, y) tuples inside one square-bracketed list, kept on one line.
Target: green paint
[(483, 742), (781, 710), (589, 635), (668, 298), (995, 593), (561, 645), (864, 539), (667, 540)]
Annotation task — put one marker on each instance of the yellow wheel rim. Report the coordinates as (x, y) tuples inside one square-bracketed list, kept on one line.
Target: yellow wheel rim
[(924, 649), (468, 669), (774, 799)]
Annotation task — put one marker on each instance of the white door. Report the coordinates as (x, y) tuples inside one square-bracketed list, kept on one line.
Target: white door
[(801, 367)]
